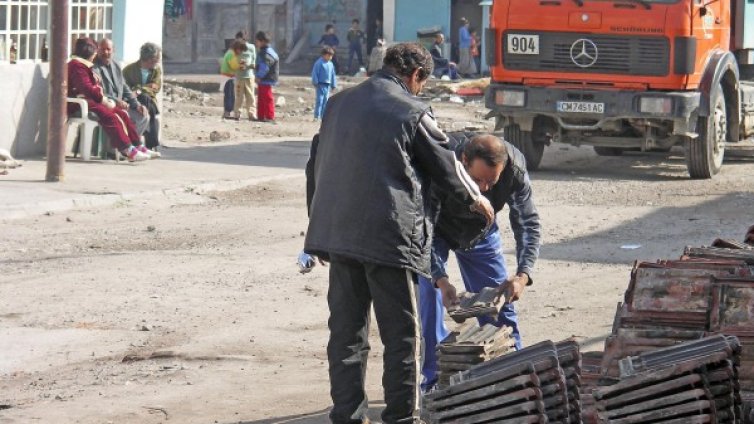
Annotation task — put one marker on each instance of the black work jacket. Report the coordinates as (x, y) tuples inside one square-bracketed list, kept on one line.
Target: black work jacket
[(369, 174)]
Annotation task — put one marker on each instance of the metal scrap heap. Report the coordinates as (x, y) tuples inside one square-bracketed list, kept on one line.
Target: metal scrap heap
[(527, 386), (693, 382)]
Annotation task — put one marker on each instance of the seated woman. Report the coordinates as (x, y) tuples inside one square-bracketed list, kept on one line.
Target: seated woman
[(83, 83)]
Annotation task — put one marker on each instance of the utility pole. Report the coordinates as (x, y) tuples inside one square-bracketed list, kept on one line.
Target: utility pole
[(58, 91), (252, 19)]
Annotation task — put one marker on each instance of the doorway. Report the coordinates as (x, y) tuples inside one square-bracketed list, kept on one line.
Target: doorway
[(374, 12), (468, 9)]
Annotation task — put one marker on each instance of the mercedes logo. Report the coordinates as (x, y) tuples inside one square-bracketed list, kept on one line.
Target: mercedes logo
[(583, 53)]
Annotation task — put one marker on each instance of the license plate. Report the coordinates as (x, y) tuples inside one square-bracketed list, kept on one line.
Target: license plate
[(523, 44), (581, 107)]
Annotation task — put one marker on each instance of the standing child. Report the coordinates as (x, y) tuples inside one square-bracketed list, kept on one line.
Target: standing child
[(355, 37), (330, 39), (267, 77), (323, 78), (246, 56), (475, 54)]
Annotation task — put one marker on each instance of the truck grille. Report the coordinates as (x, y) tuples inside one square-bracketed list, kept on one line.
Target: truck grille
[(617, 54)]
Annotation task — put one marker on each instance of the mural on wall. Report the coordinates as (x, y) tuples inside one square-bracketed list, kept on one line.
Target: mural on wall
[(327, 10), (318, 13)]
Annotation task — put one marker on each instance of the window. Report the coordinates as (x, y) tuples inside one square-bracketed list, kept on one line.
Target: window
[(91, 18), (23, 29), (24, 26)]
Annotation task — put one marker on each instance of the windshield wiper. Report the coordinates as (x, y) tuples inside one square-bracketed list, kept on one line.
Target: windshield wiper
[(647, 5)]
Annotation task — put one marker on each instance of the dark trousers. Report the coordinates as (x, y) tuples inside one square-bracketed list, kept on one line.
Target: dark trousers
[(152, 136), (229, 96), (354, 49), (354, 286)]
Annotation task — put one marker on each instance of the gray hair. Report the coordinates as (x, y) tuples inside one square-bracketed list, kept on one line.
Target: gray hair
[(149, 51)]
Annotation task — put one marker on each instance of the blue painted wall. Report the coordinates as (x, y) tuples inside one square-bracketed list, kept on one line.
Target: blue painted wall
[(411, 15)]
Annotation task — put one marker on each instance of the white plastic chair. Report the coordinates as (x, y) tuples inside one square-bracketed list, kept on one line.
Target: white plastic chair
[(89, 134)]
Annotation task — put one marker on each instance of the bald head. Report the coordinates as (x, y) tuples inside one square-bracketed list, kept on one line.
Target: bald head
[(105, 51), (488, 148)]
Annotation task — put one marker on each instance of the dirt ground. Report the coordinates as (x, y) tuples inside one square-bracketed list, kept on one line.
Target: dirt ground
[(192, 310)]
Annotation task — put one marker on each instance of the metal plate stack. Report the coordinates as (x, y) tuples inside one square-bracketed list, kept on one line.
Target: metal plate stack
[(471, 345), (526, 386), (692, 382), (485, 303), (569, 358), (590, 378), (666, 303)]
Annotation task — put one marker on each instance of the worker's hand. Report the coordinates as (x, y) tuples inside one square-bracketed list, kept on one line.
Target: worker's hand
[(122, 105), (448, 292), (483, 207), (513, 288), (142, 110)]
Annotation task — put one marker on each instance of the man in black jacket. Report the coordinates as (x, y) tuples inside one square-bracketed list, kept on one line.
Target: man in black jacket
[(499, 170), (368, 181)]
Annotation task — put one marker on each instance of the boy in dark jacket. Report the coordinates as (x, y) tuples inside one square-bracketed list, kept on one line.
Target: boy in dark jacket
[(267, 77)]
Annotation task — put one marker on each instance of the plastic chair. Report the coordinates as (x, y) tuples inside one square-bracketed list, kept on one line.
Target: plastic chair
[(90, 134)]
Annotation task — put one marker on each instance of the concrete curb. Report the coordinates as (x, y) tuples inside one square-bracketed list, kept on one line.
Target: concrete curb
[(90, 201)]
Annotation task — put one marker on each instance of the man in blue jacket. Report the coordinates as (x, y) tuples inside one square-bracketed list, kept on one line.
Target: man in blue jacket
[(499, 169)]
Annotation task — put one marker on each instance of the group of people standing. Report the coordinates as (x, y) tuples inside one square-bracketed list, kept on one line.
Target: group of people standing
[(250, 66), (123, 100)]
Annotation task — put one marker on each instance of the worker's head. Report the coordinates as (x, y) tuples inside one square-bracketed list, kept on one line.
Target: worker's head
[(411, 62), (327, 53), (330, 29), (484, 158), (85, 48), (105, 51), (439, 38), (262, 39), (149, 55)]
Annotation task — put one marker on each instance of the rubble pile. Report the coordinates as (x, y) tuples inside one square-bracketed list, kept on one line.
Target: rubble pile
[(526, 386), (692, 382), (471, 345)]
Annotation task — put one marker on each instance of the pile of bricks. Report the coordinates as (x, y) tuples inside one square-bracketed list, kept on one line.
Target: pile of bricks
[(693, 382), (526, 386), (471, 345)]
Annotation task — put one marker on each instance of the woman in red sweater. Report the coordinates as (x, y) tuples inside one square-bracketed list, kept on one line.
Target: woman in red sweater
[(83, 83)]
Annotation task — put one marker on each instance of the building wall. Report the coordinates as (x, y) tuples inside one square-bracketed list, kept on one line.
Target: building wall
[(24, 108), (411, 15), (140, 21), (318, 13)]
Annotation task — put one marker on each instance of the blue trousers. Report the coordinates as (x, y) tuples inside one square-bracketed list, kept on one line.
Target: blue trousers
[(323, 92), (482, 266), (229, 93)]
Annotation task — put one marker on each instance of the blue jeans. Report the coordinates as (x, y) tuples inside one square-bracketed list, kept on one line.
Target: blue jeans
[(320, 102), (229, 98), (482, 266)]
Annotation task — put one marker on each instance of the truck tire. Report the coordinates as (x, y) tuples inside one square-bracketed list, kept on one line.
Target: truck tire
[(524, 142), (608, 151), (704, 155)]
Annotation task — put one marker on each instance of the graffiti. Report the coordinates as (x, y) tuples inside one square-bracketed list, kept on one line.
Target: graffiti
[(327, 10)]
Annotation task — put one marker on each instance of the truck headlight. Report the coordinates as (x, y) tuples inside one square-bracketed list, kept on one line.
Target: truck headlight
[(510, 98), (655, 105)]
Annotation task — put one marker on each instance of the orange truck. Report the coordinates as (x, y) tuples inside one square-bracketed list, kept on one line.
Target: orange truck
[(624, 75)]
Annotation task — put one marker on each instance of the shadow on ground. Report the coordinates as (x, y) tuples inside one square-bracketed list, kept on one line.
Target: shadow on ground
[(318, 417), (726, 217), (279, 154)]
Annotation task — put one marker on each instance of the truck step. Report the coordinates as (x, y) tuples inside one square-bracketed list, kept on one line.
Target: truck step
[(742, 149)]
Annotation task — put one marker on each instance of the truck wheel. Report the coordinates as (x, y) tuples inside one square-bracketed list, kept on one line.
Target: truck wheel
[(704, 155), (524, 142), (608, 151)]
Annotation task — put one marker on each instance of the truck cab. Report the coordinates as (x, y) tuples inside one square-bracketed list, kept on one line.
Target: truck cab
[(623, 75)]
